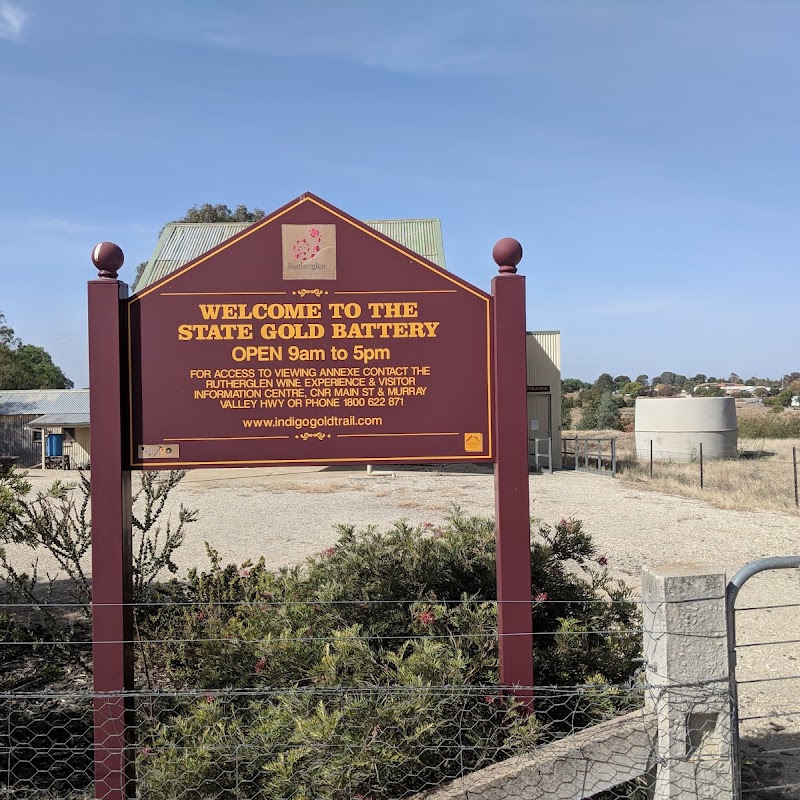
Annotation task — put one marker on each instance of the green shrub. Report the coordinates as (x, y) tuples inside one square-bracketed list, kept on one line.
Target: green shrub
[(769, 426), (567, 404), (373, 670)]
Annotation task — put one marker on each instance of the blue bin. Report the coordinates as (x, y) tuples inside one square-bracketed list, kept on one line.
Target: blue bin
[(55, 445)]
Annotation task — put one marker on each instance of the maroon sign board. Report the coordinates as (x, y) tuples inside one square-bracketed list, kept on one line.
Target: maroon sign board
[(309, 338)]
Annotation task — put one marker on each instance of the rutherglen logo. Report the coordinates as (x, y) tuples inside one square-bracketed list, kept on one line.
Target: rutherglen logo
[(309, 252)]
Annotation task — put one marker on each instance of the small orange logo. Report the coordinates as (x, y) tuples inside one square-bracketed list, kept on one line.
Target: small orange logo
[(473, 442)]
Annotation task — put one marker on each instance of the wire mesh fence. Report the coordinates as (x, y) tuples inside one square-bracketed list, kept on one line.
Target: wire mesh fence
[(344, 743), (255, 699), (240, 699), (768, 696)]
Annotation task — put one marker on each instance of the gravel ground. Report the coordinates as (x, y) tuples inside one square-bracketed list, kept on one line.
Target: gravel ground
[(289, 514)]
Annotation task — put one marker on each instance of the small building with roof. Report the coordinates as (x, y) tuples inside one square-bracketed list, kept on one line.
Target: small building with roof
[(45, 427)]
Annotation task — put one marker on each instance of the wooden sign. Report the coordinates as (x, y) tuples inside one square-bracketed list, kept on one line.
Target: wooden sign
[(309, 338)]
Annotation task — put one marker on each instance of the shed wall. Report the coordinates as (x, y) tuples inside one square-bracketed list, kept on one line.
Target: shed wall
[(82, 446), (15, 440), (544, 369)]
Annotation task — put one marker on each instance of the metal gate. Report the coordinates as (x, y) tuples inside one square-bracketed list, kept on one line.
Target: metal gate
[(771, 706), (590, 454)]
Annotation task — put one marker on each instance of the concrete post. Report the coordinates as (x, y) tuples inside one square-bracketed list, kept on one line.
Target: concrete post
[(685, 647)]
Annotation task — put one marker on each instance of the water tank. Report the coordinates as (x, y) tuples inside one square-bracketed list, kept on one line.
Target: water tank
[(678, 425), (55, 445)]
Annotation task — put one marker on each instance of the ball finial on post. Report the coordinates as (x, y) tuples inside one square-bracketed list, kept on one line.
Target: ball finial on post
[(108, 258), (507, 253)]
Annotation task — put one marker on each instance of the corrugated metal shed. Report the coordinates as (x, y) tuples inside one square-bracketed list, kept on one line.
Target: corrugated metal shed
[(182, 242), (27, 416), (44, 401)]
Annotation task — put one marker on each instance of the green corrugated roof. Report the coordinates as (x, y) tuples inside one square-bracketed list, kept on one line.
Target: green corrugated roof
[(182, 242), (423, 236)]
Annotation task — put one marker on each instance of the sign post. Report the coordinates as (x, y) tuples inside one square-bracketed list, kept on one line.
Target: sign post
[(112, 629), (512, 504)]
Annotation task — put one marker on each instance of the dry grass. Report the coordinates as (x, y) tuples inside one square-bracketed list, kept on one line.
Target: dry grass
[(760, 479)]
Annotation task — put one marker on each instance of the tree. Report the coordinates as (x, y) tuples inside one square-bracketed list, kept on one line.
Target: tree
[(567, 404), (209, 213), (643, 379), (632, 388), (608, 413), (570, 385), (699, 378), (221, 213), (674, 379), (734, 378), (667, 377), (709, 391), (589, 402), (604, 383), (26, 366)]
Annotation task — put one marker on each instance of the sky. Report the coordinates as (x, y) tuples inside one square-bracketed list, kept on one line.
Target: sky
[(644, 154)]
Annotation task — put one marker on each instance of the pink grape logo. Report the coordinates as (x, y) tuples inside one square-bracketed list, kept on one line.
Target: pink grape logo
[(304, 249)]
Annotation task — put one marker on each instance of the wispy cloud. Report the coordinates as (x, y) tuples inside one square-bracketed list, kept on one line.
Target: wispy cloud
[(422, 39), (12, 18)]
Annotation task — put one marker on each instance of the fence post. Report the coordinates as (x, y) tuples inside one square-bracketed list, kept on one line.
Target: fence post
[(651, 459), (613, 458), (687, 688), (701, 465), (112, 615), (512, 501), (794, 465)]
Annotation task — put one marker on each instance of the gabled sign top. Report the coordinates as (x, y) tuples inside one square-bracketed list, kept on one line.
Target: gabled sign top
[(299, 245)]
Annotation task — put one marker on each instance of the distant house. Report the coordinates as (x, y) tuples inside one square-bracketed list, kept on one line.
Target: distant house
[(29, 417), (731, 389)]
